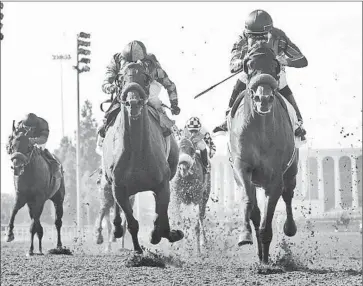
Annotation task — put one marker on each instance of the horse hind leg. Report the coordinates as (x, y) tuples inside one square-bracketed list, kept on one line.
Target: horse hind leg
[(290, 228), (161, 222), (109, 232), (58, 200)]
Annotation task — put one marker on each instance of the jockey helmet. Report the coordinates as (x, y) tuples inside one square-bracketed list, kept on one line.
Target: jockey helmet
[(258, 22), (30, 120), (194, 124), (134, 51)]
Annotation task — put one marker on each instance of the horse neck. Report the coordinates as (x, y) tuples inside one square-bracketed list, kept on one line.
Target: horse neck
[(265, 124), (139, 137)]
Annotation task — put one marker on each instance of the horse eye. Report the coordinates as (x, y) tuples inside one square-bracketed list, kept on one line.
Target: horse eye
[(127, 103)]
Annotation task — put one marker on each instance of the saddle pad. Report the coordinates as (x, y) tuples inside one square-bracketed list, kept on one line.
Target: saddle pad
[(154, 113), (237, 103)]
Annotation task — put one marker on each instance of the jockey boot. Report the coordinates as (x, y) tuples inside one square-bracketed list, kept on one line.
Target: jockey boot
[(110, 114), (54, 165), (287, 93), (166, 123), (237, 89), (205, 161)]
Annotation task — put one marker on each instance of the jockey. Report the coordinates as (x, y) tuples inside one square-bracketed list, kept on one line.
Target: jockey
[(200, 137), (135, 51), (38, 131), (259, 26)]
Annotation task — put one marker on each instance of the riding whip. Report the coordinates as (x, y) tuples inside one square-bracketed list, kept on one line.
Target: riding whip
[(213, 86)]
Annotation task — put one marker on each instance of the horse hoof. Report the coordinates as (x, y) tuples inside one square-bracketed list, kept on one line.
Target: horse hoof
[(10, 238), (99, 239), (118, 233), (40, 253), (155, 237), (175, 235), (138, 251), (30, 254), (245, 238), (113, 239), (290, 228)]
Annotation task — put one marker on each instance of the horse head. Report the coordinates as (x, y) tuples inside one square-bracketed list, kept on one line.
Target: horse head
[(187, 155), (21, 151), (135, 84), (262, 70)]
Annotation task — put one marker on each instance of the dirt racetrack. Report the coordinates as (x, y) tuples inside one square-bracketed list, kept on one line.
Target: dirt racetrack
[(310, 258)]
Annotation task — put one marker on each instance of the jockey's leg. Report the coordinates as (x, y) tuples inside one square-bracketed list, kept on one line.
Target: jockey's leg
[(237, 89), (54, 165), (286, 92), (109, 115), (165, 122)]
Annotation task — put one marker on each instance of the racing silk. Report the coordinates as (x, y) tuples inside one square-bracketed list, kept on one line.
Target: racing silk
[(40, 132), (279, 42), (152, 67), (156, 72), (112, 71), (199, 140)]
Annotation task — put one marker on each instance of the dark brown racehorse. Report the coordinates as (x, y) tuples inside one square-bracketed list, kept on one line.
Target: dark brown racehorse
[(34, 185), (261, 142), (190, 187), (137, 157)]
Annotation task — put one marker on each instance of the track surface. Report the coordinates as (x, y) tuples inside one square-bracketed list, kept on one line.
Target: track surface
[(310, 258)]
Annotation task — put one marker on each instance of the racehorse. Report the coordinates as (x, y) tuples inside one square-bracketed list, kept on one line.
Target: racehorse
[(137, 157), (262, 148), (189, 185), (34, 185), (107, 202)]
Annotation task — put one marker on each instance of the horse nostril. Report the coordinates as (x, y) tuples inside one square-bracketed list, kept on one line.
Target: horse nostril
[(257, 98), (127, 104)]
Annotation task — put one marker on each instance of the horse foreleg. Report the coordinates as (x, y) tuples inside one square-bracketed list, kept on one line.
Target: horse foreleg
[(132, 224), (243, 176), (19, 203), (118, 231), (35, 211), (256, 220), (266, 227), (161, 222), (289, 226), (197, 234), (202, 208)]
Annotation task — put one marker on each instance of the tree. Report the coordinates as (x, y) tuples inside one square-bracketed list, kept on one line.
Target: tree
[(89, 161)]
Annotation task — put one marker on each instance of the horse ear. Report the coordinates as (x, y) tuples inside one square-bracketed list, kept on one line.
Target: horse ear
[(278, 67), (14, 126)]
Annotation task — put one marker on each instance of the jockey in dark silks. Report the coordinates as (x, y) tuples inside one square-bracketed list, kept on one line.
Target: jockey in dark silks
[(37, 129), (259, 26), (135, 51), (200, 138)]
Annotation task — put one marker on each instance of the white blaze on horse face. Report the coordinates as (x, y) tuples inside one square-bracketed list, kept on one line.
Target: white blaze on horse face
[(134, 104), (263, 99), (185, 163)]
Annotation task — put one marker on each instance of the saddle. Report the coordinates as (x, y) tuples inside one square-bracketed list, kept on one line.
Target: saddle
[(165, 123)]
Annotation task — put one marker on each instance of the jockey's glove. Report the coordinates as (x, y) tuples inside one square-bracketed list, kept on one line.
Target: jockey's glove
[(175, 110)]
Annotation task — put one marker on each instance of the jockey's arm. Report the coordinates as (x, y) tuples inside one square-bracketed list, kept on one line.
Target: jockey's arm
[(209, 141), (112, 71), (293, 57), (162, 77), (42, 133), (238, 53)]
